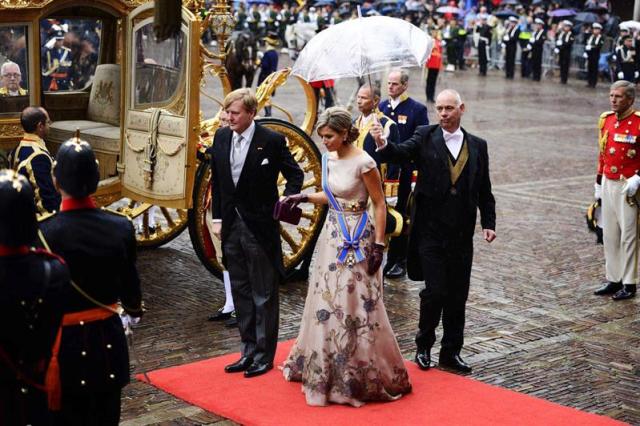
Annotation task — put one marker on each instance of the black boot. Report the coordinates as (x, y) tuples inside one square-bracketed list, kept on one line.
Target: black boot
[(608, 288), (627, 292), (454, 362)]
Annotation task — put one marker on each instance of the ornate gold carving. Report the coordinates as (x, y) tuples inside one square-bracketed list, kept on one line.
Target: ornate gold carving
[(23, 4), (11, 130)]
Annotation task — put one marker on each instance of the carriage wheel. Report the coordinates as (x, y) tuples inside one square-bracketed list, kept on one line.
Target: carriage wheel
[(154, 225), (299, 240)]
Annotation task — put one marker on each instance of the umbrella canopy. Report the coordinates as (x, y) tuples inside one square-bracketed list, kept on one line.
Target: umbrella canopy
[(504, 14), (362, 46), (632, 25), (586, 17), (562, 13), (511, 2), (449, 9), (322, 3)]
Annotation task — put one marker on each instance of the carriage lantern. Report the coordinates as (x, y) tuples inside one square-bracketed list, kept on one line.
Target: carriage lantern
[(222, 22)]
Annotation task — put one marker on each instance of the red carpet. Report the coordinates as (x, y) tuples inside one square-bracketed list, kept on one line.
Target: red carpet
[(438, 398)]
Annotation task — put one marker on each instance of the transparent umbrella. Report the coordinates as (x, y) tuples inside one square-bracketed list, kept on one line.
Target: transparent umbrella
[(362, 46)]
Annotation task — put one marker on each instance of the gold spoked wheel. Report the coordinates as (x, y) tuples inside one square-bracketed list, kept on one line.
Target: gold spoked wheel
[(299, 240), (154, 225)]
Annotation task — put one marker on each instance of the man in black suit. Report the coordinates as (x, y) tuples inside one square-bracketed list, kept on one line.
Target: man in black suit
[(453, 183), (246, 159)]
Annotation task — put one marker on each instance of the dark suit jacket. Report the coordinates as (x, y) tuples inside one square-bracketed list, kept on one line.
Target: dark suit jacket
[(257, 191), (427, 149)]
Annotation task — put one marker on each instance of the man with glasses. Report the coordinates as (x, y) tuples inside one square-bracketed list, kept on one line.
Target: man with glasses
[(11, 78), (32, 159)]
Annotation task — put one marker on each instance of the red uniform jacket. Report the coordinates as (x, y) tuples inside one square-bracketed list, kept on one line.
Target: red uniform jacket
[(619, 141)]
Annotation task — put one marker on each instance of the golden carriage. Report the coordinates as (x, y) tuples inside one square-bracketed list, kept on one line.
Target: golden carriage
[(138, 103)]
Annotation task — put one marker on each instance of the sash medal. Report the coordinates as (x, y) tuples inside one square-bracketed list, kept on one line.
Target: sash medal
[(350, 252)]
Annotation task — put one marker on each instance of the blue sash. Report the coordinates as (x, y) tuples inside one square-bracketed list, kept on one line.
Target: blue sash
[(351, 241)]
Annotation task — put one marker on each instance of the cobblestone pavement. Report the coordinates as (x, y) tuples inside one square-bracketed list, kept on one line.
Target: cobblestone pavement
[(533, 325)]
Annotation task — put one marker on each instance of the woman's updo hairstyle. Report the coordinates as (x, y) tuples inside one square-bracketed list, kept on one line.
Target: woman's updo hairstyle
[(338, 119)]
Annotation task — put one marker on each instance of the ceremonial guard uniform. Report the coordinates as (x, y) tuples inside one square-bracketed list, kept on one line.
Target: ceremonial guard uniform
[(484, 44), (618, 161), (409, 114), (626, 60), (536, 46), (592, 55), (34, 285), (100, 250), (4, 91), (510, 44), (32, 159), (269, 65), (564, 43), (56, 63)]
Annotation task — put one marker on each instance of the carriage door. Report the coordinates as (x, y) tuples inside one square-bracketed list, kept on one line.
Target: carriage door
[(162, 120)]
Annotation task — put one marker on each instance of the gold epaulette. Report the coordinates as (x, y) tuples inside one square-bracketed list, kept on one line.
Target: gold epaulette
[(603, 116), (44, 216)]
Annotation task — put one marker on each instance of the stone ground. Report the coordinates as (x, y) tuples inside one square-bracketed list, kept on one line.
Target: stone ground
[(533, 325)]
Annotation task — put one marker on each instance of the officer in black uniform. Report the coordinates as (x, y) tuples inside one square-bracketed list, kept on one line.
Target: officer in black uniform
[(536, 46), (626, 60), (510, 44), (564, 44), (100, 250), (33, 285), (592, 53), (484, 43)]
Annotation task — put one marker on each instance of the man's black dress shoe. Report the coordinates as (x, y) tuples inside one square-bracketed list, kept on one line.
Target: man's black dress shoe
[(258, 368), (454, 362), (423, 359), (220, 316), (387, 267), (397, 271), (608, 288), (240, 365), (232, 321), (627, 292)]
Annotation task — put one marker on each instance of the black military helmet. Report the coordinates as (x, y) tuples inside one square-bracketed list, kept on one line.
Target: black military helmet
[(76, 168), (594, 212), (18, 224)]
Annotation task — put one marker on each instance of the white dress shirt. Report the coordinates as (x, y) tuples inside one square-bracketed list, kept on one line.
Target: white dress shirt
[(453, 141), (394, 102), (239, 149)]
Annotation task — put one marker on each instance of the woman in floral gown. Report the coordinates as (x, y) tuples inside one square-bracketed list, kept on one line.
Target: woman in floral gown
[(346, 351)]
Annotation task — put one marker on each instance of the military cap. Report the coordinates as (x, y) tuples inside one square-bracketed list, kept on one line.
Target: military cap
[(624, 28), (76, 168), (596, 25), (567, 22), (513, 19), (18, 224), (539, 21)]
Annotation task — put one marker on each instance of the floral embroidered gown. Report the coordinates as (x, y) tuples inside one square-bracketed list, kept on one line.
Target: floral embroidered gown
[(346, 351)]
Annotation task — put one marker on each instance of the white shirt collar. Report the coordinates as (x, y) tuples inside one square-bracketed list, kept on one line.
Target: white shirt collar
[(457, 134), (247, 135)]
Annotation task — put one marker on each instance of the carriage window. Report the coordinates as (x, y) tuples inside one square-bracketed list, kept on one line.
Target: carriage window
[(70, 50), (158, 67), (14, 77)]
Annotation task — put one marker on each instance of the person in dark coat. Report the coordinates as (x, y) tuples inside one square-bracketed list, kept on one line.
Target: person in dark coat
[(564, 44), (536, 46), (592, 53), (269, 64), (408, 115), (626, 60), (510, 44), (453, 183), (246, 160), (99, 247), (33, 284), (484, 42)]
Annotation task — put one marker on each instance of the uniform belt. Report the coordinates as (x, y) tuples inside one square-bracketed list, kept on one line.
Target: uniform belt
[(52, 380)]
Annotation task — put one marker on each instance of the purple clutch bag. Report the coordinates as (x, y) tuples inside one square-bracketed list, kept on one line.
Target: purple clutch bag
[(286, 212)]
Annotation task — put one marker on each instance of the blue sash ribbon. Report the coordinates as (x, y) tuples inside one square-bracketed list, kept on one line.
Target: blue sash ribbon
[(351, 241)]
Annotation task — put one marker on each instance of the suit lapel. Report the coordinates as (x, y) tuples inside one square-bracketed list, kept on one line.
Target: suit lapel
[(257, 144), (473, 157), (440, 146), (225, 161)]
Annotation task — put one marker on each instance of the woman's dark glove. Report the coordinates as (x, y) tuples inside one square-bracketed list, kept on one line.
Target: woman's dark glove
[(375, 258), (296, 199)]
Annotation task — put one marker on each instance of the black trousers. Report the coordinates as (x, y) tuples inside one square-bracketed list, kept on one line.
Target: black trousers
[(564, 61), (510, 61), (447, 271), (525, 64), (90, 408), (254, 287), (592, 68), (432, 78), (482, 57), (536, 64), (398, 246)]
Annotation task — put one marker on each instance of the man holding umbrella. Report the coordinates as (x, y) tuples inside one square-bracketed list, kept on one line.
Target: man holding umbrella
[(592, 54), (564, 43)]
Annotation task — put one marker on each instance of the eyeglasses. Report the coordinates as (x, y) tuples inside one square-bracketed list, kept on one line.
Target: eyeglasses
[(12, 75)]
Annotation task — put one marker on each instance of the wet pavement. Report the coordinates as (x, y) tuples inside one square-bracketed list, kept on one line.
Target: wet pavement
[(533, 325)]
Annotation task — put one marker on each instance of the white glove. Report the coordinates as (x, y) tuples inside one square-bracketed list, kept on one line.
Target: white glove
[(636, 74), (503, 45), (128, 321), (620, 75), (585, 55), (587, 48), (597, 191), (631, 185), (558, 42), (556, 50)]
